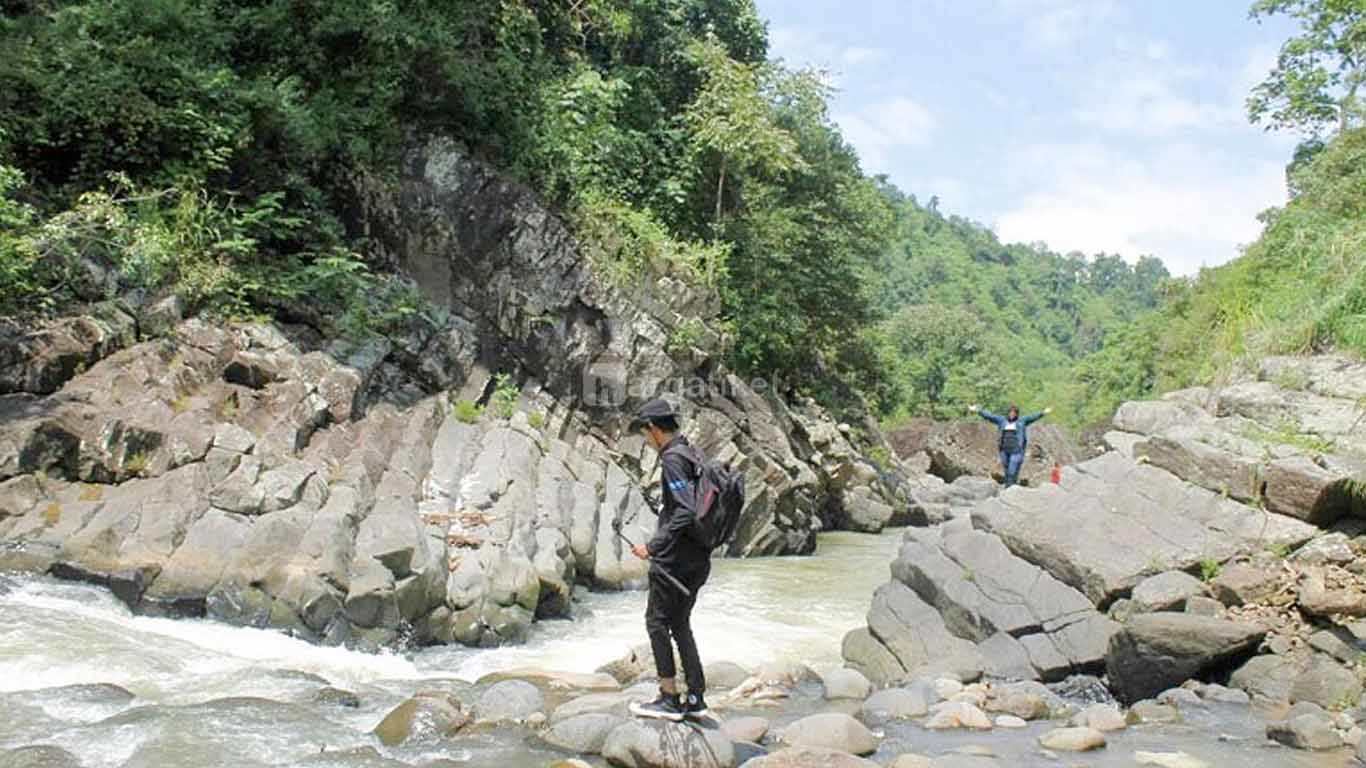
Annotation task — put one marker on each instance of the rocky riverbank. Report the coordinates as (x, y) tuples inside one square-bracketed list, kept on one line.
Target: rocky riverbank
[(1217, 544), (448, 484)]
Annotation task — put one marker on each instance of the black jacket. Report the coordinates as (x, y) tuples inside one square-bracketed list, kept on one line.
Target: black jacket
[(672, 547)]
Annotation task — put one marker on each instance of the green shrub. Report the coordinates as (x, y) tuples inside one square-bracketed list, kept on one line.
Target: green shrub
[(536, 419), (685, 336), (136, 463), (629, 246), (503, 403), (467, 411), (1209, 569), (880, 456)]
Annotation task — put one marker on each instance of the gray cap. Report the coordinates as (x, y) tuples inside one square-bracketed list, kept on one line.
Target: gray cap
[(652, 412)]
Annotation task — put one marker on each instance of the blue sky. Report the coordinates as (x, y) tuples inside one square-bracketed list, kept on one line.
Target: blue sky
[(1091, 125)]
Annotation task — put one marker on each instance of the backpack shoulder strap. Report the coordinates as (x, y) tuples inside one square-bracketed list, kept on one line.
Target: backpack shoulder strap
[(690, 453)]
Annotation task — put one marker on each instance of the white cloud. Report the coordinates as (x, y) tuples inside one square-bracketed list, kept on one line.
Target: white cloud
[(1185, 204), (808, 47), (882, 128), (857, 55), (1155, 103), (1057, 23)]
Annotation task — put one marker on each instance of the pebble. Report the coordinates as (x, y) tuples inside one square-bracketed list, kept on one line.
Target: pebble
[(1152, 712), (1010, 721), (1179, 697), (1169, 760), (952, 715), (1072, 740), (1102, 717), (947, 689)]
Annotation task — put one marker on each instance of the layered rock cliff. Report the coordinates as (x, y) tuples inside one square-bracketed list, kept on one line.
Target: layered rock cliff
[(355, 492)]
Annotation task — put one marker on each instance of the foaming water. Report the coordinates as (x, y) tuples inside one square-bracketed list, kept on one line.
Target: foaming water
[(202, 694), (55, 634), (750, 612)]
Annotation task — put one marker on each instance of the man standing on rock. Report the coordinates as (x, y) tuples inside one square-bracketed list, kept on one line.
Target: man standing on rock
[(679, 566), (1014, 438)]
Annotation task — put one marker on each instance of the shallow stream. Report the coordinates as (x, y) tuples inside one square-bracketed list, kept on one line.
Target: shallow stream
[(208, 695)]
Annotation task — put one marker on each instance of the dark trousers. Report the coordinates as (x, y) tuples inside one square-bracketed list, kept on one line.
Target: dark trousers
[(668, 614), (1010, 465)]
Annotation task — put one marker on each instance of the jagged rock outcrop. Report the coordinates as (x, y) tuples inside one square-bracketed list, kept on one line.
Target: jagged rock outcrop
[(1290, 438), (1202, 533), (1018, 621), (281, 505), (352, 492), (603, 350)]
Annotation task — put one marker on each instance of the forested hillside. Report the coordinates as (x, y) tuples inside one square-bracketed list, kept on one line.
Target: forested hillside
[(214, 150), (1301, 286), (970, 320)]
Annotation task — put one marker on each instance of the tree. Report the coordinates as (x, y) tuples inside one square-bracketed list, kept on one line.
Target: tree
[(1319, 74), (734, 121), (947, 361)]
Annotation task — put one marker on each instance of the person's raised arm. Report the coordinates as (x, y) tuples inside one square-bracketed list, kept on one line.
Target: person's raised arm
[(1035, 417), (988, 415)]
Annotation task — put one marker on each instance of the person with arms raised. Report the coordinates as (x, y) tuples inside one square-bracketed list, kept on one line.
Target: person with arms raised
[(1014, 438)]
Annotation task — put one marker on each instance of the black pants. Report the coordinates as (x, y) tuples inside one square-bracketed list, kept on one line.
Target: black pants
[(668, 613)]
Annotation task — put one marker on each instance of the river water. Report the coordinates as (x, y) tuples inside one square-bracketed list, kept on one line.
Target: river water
[(207, 695)]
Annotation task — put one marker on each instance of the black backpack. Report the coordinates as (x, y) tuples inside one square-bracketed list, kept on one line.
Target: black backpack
[(1010, 440), (720, 496)]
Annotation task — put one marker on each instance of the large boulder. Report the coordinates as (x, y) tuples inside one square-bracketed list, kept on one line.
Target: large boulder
[(985, 593), (895, 704), (1326, 683), (583, 734), (1167, 591), (1313, 732), (1268, 678), (1113, 522), (906, 637), (845, 684), (831, 730), (641, 744), (424, 717), (509, 700), (968, 448), (1245, 583), (1157, 651)]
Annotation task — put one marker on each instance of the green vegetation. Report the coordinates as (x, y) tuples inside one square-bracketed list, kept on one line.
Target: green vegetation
[(536, 419), (1300, 288), (684, 336), (1318, 78), (1279, 551), (880, 456), (467, 411), (975, 321), (503, 402), (1288, 434), (136, 463), (1209, 569), (212, 149)]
